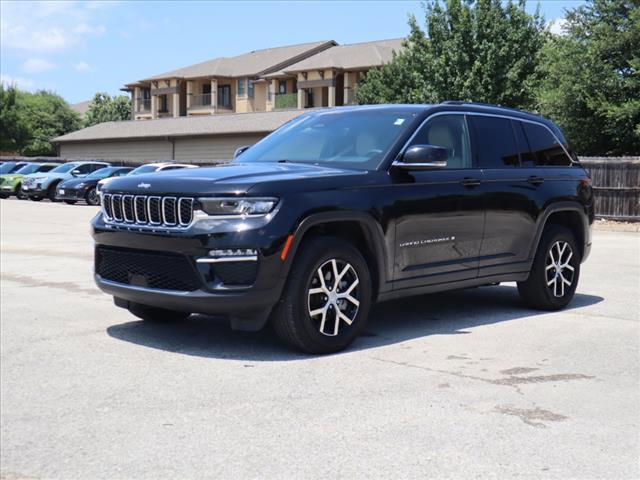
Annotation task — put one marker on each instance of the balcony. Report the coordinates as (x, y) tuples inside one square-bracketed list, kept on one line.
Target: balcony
[(286, 100), (144, 105), (201, 101)]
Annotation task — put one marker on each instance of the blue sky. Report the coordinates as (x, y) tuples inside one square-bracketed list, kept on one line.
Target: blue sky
[(78, 48)]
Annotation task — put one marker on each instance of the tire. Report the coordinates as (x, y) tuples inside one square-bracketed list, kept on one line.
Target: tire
[(4, 195), (325, 331), (51, 193), (92, 197), (19, 194), (35, 199), (555, 272), (70, 202), (155, 314)]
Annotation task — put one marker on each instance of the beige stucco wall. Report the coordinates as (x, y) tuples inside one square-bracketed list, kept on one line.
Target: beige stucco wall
[(212, 148), (143, 150)]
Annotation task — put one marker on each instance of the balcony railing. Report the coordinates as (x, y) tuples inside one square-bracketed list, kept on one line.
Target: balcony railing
[(144, 104), (286, 100), (202, 100)]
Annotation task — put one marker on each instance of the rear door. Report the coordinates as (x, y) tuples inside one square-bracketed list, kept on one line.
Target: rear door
[(440, 216), (514, 192)]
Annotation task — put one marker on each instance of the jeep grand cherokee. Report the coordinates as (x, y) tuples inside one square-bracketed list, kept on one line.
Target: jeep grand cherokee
[(340, 208)]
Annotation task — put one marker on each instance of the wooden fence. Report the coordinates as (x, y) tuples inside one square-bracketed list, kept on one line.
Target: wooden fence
[(616, 185)]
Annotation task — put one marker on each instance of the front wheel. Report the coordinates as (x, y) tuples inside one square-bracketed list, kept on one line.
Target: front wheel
[(326, 301), (155, 314), (35, 199), (4, 195), (19, 193), (51, 193), (556, 268), (92, 197), (70, 202)]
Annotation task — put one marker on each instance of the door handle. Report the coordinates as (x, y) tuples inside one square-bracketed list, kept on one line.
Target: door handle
[(535, 180), (470, 182)]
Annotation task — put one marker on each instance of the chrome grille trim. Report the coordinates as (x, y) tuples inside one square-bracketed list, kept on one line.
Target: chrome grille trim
[(169, 209), (189, 202), (150, 211)]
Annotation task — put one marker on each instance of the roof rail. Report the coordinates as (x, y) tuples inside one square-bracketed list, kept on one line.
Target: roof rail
[(479, 104)]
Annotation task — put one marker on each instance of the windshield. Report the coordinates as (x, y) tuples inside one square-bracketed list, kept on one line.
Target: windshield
[(357, 139), (64, 168), (10, 167), (143, 169), (27, 169), (103, 172)]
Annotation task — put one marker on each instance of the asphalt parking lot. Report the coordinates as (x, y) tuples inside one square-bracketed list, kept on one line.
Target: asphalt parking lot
[(464, 384)]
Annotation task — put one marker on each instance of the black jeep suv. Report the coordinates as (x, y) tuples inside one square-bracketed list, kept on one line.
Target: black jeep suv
[(340, 208)]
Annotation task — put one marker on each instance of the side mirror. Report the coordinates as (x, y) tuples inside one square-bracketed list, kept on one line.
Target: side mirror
[(423, 157), (77, 173), (240, 150)]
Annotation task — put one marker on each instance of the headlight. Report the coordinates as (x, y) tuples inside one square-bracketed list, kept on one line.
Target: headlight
[(238, 206), (80, 185)]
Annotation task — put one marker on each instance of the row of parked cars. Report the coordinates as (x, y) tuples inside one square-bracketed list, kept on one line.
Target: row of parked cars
[(69, 182)]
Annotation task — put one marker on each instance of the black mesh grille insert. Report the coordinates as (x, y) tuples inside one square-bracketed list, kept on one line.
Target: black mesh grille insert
[(116, 205), (142, 268), (236, 273), (141, 209), (106, 205), (127, 207), (169, 210), (154, 210), (185, 206)]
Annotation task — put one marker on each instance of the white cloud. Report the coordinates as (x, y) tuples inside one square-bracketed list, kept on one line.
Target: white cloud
[(557, 26), (48, 26), (37, 65), (82, 67), (24, 83)]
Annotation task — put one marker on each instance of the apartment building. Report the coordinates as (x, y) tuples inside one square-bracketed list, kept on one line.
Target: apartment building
[(318, 74)]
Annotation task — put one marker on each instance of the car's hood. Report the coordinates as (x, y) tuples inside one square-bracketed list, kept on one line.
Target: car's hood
[(75, 182), (49, 175), (11, 177), (232, 178)]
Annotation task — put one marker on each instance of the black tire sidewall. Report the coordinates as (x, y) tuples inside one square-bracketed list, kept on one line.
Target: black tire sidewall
[(315, 254), (88, 196)]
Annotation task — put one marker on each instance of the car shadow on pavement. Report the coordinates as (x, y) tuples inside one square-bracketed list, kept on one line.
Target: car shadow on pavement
[(449, 313)]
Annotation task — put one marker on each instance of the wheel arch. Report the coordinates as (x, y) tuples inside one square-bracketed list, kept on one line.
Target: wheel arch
[(358, 228), (568, 214)]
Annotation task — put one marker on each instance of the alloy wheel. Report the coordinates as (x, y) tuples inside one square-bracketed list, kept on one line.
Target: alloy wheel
[(333, 296), (558, 271), (92, 197)]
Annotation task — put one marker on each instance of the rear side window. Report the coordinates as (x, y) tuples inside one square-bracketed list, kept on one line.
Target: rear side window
[(545, 148), (527, 159), (494, 141)]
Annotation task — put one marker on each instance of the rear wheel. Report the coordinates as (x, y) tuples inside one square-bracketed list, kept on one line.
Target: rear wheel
[(556, 268), (155, 314), (35, 199), (92, 197), (326, 300)]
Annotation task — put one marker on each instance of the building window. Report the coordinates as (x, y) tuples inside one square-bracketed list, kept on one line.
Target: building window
[(250, 88), (163, 106), (224, 96), (241, 87), (282, 87)]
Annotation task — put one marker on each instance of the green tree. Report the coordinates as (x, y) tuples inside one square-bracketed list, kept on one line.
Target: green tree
[(483, 51), (13, 131), (590, 81), (105, 108), (30, 120)]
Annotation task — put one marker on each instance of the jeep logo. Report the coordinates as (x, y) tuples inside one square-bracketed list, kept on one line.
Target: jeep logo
[(144, 185)]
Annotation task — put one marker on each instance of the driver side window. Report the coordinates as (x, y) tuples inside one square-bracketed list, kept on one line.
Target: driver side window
[(449, 132)]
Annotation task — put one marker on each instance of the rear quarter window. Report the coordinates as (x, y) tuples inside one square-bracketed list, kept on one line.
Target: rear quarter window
[(495, 144), (545, 148)]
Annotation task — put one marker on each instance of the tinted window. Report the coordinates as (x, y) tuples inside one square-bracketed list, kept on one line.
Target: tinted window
[(86, 168), (11, 167), (450, 132), (172, 167), (544, 146), (494, 141), (526, 157), (104, 172), (45, 168), (27, 169), (144, 169), (64, 168)]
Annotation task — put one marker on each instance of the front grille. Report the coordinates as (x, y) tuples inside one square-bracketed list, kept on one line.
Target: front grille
[(147, 210), (28, 181), (142, 268)]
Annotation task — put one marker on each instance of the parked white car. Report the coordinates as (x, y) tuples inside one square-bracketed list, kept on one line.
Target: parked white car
[(151, 168)]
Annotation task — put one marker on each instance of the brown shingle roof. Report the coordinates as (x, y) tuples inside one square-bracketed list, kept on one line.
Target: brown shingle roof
[(350, 57), (223, 124), (248, 64)]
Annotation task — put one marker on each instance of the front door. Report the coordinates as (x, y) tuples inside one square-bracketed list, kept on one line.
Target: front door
[(440, 213)]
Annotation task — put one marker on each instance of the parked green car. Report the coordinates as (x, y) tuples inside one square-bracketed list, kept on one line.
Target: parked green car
[(11, 183)]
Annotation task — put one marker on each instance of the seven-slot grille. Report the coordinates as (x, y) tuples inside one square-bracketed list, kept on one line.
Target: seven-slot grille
[(147, 210)]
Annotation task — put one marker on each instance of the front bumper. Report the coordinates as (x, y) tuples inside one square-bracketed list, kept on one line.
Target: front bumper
[(35, 191), (246, 306), (69, 194)]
